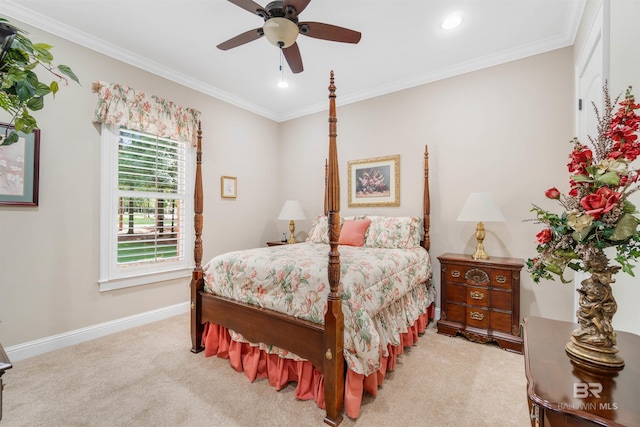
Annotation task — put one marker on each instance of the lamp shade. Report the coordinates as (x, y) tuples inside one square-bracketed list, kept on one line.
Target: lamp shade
[(480, 207), (291, 211)]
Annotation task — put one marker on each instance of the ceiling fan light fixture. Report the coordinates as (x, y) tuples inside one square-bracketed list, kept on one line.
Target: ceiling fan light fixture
[(280, 32)]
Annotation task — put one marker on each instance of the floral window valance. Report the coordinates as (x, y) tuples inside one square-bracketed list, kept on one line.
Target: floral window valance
[(121, 105)]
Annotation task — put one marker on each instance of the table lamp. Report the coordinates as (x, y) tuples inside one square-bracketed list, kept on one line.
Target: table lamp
[(482, 208), (291, 211)]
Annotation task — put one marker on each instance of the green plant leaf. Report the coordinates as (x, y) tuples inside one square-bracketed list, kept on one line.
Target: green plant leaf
[(609, 178), (24, 91), (42, 52), (42, 89), (67, 72), (36, 103), (628, 207), (626, 227), (581, 178), (579, 236), (12, 138), (569, 254)]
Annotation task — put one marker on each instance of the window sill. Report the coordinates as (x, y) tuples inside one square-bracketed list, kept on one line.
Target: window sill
[(143, 279)]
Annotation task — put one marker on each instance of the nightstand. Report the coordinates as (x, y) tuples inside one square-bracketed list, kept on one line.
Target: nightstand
[(480, 299), (276, 243)]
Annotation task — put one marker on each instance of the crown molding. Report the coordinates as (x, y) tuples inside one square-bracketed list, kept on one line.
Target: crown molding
[(28, 16), (42, 22)]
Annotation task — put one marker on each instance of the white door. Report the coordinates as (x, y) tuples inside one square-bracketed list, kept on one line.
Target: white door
[(592, 71)]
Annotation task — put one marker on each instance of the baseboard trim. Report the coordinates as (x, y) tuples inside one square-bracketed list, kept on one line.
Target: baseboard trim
[(55, 342)]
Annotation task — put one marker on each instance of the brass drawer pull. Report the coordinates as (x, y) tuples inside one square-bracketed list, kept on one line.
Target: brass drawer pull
[(476, 315), (455, 273), (477, 295), (501, 279)]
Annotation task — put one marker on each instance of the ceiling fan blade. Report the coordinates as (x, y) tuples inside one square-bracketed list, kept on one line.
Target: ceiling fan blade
[(329, 32), (292, 55), (298, 5), (251, 6), (241, 39)]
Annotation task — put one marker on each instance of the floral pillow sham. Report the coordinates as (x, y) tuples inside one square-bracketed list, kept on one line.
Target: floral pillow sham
[(383, 232), (393, 232)]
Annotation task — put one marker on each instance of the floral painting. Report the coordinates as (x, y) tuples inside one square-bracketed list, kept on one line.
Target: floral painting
[(374, 182)]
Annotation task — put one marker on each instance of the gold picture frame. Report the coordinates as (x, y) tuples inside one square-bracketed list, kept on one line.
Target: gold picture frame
[(374, 182), (228, 187)]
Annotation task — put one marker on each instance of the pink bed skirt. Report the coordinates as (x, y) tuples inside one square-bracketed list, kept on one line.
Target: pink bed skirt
[(256, 363)]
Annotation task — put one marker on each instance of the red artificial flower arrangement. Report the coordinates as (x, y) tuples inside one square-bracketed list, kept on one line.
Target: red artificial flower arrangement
[(597, 211)]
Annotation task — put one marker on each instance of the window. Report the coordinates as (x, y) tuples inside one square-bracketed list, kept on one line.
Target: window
[(146, 201)]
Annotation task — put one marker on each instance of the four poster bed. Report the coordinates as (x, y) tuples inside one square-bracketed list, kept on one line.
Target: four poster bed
[(332, 326)]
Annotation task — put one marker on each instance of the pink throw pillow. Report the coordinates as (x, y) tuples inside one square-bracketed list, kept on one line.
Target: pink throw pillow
[(353, 232)]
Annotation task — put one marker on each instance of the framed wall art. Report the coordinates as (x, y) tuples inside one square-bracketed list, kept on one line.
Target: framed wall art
[(228, 187), (19, 168), (374, 182)]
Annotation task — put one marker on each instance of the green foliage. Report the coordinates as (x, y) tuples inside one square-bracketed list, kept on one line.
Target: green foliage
[(21, 92)]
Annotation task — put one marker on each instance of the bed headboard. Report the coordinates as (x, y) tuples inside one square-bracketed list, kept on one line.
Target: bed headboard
[(426, 199)]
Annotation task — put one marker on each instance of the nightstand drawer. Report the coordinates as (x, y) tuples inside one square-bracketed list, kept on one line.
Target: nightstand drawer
[(501, 322), (455, 273), (468, 275), (478, 296), (477, 317), (456, 313), (501, 279), (501, 299), (456, 293)]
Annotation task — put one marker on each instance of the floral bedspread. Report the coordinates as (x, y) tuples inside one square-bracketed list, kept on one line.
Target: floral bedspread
[(383, 291)]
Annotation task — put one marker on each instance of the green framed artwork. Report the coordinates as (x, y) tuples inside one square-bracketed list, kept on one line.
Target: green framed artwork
[(19, 168)]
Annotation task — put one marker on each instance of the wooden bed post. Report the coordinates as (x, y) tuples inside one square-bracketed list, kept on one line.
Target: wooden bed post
[(426, 200), (333, 320), (326, 194), (197, 281)]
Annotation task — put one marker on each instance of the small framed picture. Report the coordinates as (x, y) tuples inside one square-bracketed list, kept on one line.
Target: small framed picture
[(229, 187), (19, 168)]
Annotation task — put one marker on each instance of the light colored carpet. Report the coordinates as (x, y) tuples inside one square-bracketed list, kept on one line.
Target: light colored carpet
[(147, 376)]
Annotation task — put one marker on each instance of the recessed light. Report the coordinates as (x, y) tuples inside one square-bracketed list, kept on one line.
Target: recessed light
[(452, 22)]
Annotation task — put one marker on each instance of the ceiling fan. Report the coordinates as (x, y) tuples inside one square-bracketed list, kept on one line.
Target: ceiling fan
[(281, 28)]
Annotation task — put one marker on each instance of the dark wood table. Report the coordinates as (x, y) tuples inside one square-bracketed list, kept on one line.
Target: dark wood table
[(5, 364), (563, 394)]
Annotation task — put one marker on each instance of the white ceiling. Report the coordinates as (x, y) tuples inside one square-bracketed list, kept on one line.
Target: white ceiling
[(402, 43)]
